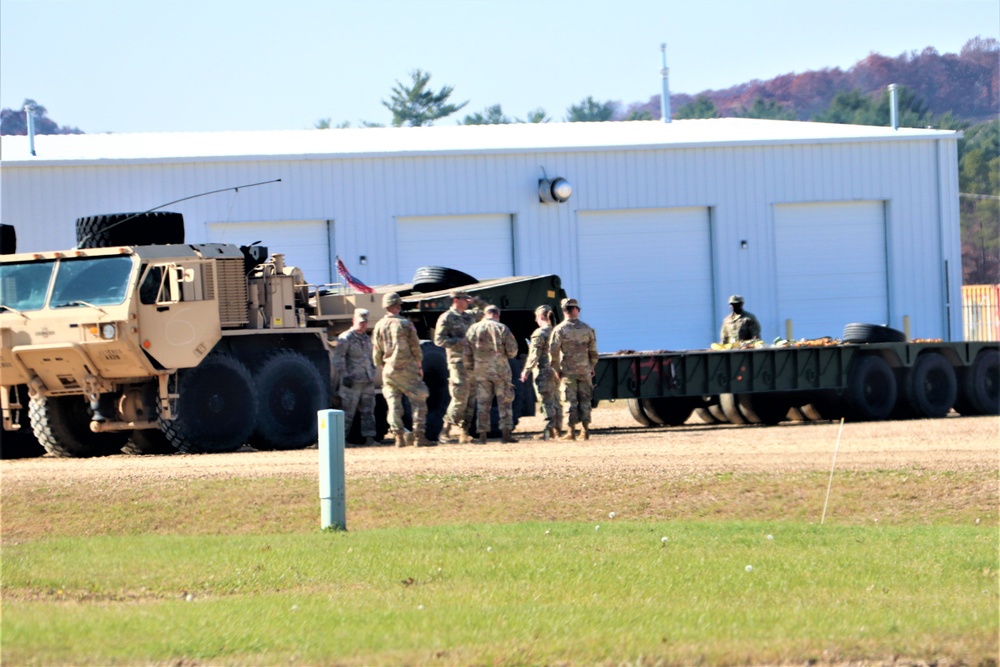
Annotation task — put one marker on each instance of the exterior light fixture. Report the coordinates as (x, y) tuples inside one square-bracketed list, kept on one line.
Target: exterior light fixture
[(554, 191)]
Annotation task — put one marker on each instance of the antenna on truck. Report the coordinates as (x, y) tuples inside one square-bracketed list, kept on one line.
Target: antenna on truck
[(176, 201)]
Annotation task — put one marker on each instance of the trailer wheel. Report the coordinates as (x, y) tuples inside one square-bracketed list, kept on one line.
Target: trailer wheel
[(435, 278), (288, 391), (213, 407), (823, 406), (62, 426), (931, 387), (638, 412), (871, 388), (149, 441), (731, 409), (770, 408), (8, 240), (715, 409), (703, 411), (668, 411), (979, 388), (113, 229), (435, 367)]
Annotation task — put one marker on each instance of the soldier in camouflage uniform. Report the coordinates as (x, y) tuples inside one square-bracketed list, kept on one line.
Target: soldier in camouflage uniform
[(491, 344), (573, 351), (739, 325), (449, 333), (396, 348), (353, 360), (546, 384)]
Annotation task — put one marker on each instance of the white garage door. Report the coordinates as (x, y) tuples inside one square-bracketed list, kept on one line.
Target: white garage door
[(480, 245), (307, 244), (831, 266), (646, 278)]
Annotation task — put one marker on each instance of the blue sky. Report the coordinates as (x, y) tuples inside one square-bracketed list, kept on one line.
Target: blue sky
[(175, 65)]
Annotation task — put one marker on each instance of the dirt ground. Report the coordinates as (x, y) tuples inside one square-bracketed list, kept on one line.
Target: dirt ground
[(618, 445)]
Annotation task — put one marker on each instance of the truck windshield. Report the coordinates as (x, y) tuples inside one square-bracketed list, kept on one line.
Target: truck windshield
[(91, 281), (23, 286)]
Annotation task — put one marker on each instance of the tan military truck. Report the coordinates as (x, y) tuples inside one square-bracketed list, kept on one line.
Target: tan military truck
[(192, 347)]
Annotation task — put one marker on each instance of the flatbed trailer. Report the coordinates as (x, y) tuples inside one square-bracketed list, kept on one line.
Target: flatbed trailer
[(867, 381)]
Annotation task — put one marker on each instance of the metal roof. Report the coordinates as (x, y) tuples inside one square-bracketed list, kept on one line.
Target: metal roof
[(436, 140)]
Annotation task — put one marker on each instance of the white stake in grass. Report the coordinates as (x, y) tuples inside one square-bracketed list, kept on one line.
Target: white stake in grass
[(832, 468)]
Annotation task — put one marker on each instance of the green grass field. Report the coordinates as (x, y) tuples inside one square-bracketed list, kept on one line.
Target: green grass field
[(505, 571)]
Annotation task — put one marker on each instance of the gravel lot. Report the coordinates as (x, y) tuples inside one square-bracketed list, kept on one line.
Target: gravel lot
[(618, 445)]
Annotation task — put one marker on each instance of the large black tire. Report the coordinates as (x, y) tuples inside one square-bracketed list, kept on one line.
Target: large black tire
[(769, 408), (113, 229), (872, 333), (62, 426), (435, 366), (931, 386), (637, 411), (704, 412), (289, 390), (22, 443), (668, 411), (149, 441), (979, 385), (8, 240), (214, 404), (434, 278), (872, 390)]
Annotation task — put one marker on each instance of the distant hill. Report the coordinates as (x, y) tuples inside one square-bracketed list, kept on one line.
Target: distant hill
[(967, 84)]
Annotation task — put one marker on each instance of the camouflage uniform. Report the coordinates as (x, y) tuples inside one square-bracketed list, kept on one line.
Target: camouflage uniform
[(353, 359), (546, 384), (491, 344), (739, 327), (396, 348), (573, 351), (449, 333)]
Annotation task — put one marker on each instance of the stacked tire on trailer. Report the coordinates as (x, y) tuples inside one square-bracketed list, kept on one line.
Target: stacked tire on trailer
[(876, 389)]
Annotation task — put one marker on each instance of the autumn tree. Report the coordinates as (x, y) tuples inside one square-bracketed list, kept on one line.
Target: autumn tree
[(415, 104), (16, 121), (979, 203)]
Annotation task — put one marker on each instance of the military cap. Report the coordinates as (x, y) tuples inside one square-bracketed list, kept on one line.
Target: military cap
[(736, 298), (460, 294), (543, 310), (391, 299), (361, 314), (491, 309), (569, 303)]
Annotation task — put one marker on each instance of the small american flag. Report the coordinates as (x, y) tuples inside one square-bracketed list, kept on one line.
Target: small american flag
[(356, 284)]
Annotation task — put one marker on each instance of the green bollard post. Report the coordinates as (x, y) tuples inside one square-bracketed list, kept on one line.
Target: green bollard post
[(333, 509)]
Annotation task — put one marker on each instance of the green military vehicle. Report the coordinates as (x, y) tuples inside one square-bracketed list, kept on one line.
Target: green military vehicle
[(135, 339)]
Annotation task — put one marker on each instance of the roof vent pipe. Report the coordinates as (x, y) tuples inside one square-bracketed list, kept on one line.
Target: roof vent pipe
[(893, 106), (665, 96), (29, 113)]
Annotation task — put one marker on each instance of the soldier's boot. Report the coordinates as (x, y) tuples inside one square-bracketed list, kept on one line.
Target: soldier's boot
[(410, 439), (369, 441), (400, 439), (445, 433), (482, 437), (422, 441), (586, 431), (546, 433), (506, 437), (570, 434), (464, 438)]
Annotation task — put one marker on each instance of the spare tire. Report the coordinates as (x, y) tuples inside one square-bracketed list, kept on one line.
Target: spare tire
[(435, 278), (114, 229), (8, 240), (872, 333)]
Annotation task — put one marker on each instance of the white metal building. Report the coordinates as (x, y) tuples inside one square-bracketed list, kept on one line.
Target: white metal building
[(817, 223)]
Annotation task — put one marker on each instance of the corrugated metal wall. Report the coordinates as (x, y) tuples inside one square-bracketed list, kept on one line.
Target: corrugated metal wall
[(740, 185)]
